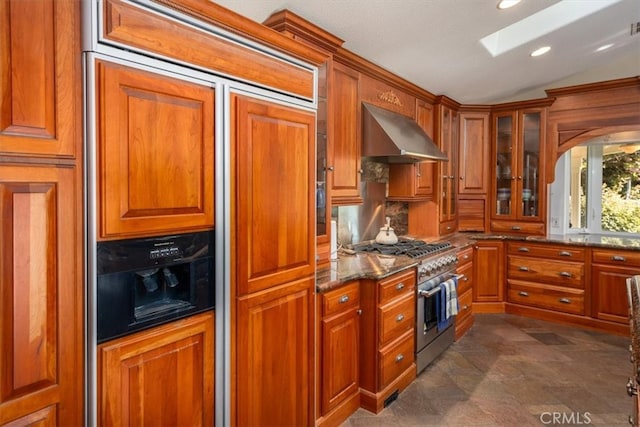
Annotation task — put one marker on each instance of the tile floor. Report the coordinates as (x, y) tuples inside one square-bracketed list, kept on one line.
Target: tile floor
[(515, 371)]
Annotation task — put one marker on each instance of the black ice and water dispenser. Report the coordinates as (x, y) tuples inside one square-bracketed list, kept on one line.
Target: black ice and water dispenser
[(148, 281)]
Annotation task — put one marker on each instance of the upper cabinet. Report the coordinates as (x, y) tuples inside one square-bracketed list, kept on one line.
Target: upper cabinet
[(155, 162), (447, 134), (39, 77), (344, 113), (518, 188), (473, 160)]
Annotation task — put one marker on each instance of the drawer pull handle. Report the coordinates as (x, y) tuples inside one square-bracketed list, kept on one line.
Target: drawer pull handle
[(523, 249), (564, 274), (523, 268), (618, 258), (565, 300), (400, 286), (516, 228), (400, 317), (343, 299), (564, 253), (632, 390), (399, 358), (523, 294)]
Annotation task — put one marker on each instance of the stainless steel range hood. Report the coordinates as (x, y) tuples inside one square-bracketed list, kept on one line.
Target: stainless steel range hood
[(394, 138)]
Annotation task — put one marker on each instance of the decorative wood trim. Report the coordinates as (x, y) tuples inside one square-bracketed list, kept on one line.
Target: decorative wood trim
[(219, 16), (605, 85), (447, 102), (519, 105), (288, 22)]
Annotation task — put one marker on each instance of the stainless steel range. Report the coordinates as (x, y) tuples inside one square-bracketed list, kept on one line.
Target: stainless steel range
[(436, 264)]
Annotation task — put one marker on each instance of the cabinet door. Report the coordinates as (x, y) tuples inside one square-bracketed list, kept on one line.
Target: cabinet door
[(448, 141), (345, 136), (162, 376), (425, 170), (273, 192), (41, 298), (155, 153), (530, 186), (504, 161), (473, 160), (275, 356), (340, 353), (610, 301), (489, 272), (40, 77)]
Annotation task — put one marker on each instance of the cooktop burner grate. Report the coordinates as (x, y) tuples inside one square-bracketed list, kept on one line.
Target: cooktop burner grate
[(410, 248)]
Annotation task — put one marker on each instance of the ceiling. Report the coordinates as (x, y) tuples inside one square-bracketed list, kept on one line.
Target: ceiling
[(436, 43)]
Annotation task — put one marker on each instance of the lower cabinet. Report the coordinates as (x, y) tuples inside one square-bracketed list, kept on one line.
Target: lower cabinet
[(609, 272), (387, 362), (161, 376), (339, 354), (488, 289), (464, 320)]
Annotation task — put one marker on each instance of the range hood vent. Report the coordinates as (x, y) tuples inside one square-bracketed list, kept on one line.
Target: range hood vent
[(395, 138)]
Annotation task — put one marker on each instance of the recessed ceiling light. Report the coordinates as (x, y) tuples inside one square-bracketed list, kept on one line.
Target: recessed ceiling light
[(541, 51), (506, 4), (606, 46)]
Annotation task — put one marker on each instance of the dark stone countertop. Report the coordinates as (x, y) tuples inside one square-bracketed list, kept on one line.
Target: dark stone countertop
[(371, 266), (587, 240)]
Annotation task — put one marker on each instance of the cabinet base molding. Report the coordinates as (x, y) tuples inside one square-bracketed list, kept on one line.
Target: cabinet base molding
[(464, 326), (340, 413), (570, 319), (488, 307), (374, 402)]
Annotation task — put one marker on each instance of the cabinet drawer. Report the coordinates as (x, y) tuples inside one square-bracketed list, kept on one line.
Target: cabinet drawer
[(395, 359), (465, 256), (616, 257), (466, 282), (447, 227), (397, 286), (340, 299), (556, 298), (518, 227), (396, 318), (569, 274), (465, 302), (565, 253)]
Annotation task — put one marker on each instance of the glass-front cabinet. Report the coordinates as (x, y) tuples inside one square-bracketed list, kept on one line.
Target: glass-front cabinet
[(518, 191)]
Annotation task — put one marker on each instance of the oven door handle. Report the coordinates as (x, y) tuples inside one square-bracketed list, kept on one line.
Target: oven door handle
[(431, 292)]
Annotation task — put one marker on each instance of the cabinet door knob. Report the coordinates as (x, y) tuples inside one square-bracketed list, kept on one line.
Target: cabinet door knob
[(451, 177), (523, 294), (359, 312), (400, 286), (462, 178), (465, 307), (360, 171), (400, 317), (519, 177), (330, 168), (513, 178), (343, 299), (399, 358)]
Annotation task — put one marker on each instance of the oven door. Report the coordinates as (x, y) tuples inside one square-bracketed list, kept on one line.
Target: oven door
[(426, 309)]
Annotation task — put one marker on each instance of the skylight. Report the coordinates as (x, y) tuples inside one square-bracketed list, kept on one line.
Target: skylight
[(540, 23)]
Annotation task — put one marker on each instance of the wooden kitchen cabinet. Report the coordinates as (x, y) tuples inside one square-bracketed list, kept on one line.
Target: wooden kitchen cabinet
[(272, 263), (387, 362), (42, 285), (339, 354), (414, 181), (464, 319), (550, 277), (344, 136), (609, 271), (488, 289), (155, 163), (518, 187), (162, 376), (473, 171), (447, 131)]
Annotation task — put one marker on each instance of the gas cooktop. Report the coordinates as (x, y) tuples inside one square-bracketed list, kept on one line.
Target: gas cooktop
[(410, 248)]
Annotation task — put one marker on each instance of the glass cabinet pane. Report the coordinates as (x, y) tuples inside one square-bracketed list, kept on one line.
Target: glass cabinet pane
[(504, 165), (322, 213), (530, 171)]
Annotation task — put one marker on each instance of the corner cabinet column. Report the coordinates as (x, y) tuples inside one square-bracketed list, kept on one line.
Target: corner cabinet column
[(272, 263)]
